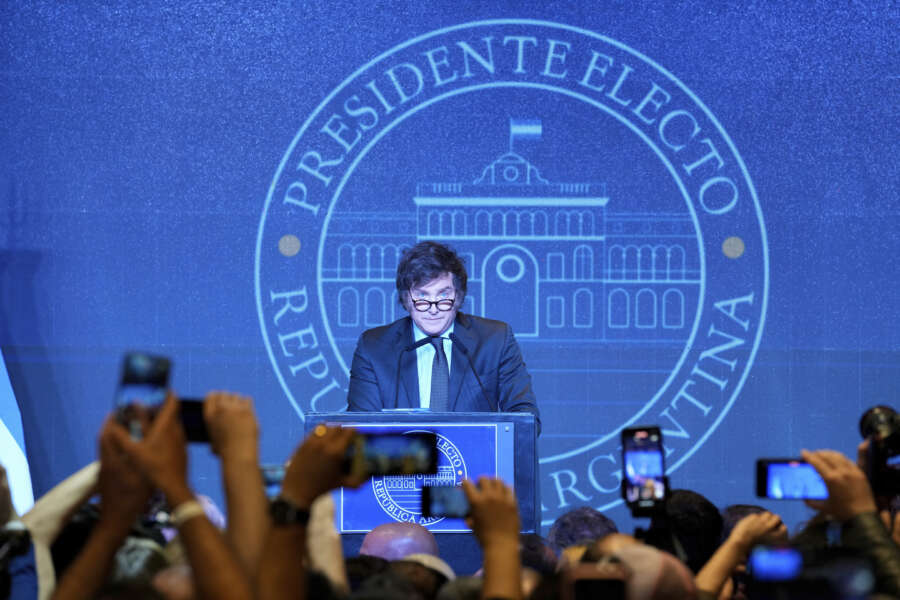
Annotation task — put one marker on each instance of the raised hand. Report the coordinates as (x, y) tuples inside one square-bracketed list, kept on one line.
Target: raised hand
[(849, 493)]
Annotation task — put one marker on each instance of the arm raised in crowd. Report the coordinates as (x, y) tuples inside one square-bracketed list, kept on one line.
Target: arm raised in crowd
[(123, 495), (494, 518), (851, 501), (234, 436), (749, 531), (162, 458), (315, 469)]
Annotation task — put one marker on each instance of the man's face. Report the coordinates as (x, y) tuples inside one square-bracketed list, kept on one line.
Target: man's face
[(433, 321)]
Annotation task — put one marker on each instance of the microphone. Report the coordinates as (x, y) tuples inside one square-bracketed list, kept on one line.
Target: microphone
[(410, 348), (462, 347)]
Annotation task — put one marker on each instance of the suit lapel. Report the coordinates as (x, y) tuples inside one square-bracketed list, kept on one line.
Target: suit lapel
[(460, 373), (409, 371)]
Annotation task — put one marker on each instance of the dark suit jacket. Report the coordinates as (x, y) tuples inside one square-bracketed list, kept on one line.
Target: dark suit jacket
[(491, 347)]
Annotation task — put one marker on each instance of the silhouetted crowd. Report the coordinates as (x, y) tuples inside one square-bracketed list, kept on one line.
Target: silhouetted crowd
[(130, 526)]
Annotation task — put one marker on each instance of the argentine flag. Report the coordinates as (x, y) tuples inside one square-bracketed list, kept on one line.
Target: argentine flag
[(12, 445), (524, 129)]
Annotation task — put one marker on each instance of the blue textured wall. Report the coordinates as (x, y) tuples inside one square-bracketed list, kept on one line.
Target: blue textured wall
[(149, 152)]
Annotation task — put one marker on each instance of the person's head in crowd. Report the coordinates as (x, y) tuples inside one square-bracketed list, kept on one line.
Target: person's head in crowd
[(138, 560), (607, 546), (389, 585), (425, 579), (393, 541), (461, 588), (430, 273), (733, 513), (696, 524), (359, 568), (654, 574), (536, 553), (579, 525), (432, 562)]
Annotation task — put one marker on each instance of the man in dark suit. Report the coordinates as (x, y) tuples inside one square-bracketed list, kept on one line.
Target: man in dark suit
[(479, 368)]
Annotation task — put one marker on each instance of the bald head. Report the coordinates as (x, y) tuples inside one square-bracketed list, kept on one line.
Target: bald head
[(393, 541)]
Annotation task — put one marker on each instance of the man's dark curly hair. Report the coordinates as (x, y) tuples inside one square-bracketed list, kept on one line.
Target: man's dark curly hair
[(426, 261)]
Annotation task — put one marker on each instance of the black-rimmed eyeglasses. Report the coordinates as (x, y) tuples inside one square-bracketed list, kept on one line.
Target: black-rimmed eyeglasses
[(443, 305)]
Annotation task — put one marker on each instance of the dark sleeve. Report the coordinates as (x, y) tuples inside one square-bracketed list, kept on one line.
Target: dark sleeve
[(866, 534), (514, 381), (363, 393)]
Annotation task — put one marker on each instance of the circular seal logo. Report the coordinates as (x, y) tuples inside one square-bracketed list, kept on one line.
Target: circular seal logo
[(600, 207), (400, 496)]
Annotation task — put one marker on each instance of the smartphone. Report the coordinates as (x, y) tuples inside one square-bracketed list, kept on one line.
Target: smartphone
[(272, 475), (772, 563), (444, 501), (410, 453), (143, 381), (644, 484), (788, 479), (191, 413)]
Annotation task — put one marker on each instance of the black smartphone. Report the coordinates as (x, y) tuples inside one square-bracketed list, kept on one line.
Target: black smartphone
[(191, 412), (143, 381), (644, 484), (410, 453), (444, 501), (789, 479)]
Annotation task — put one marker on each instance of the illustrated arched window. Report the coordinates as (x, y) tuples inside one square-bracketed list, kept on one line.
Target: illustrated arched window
[(391, 258), (673, 309), (583, 263), (632, 263), (617, 262), (459, 223), (562, 223), (375, 305), (583, 308), (645, 262), (446, 225), (348, 307), (660, 263), (526, 224), (511, 223), (434, 222), (618, 314), (676, 264), (540, 223), (556, 312), (345, 261), (496, 223), (587, 222), (556, 265), (482, 223), (645, 309)]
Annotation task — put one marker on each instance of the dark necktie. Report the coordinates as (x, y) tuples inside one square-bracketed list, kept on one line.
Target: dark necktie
[(440, 377)]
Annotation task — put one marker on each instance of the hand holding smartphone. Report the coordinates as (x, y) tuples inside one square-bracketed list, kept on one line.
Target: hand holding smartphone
[(644, 483)]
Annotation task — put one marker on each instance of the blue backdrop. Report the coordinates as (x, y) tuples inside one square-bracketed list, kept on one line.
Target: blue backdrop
[(688, 212)]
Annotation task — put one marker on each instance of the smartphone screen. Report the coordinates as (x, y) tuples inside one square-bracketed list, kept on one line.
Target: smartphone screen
[(643, 481), (768, 563), (273, 475), (393, 454), (788, 479), (144, 380), (444, 501)]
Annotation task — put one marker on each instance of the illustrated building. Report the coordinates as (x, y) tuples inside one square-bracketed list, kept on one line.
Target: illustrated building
[(545, 257)]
